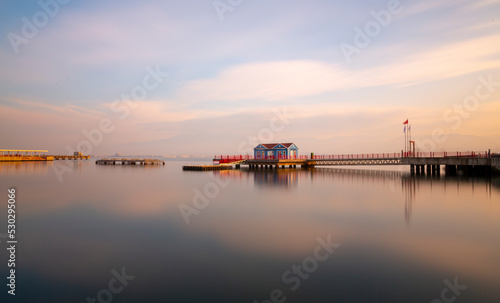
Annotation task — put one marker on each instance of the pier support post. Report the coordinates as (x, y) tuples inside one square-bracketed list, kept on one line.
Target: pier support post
[(412, 169), (450, 169)]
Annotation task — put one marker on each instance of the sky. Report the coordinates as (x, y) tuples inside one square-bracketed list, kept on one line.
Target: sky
[(204, 77)]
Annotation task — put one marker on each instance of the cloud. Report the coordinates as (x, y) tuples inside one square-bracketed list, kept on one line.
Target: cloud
[(282, 80), (421, 7)]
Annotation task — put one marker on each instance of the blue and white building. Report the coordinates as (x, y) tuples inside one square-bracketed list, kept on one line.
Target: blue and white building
[(276, 151)]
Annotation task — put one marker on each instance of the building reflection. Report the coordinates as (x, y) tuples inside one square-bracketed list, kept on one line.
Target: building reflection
[(283, 178)]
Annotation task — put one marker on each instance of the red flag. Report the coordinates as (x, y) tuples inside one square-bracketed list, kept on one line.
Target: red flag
[(406, 122)]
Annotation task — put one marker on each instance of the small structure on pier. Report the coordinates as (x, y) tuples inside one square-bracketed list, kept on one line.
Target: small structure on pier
[(276, 151)]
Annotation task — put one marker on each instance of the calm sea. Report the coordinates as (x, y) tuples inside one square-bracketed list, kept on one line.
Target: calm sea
[(158, 234)]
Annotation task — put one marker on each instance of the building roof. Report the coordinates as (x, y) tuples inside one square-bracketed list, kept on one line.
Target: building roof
[(273, 145)]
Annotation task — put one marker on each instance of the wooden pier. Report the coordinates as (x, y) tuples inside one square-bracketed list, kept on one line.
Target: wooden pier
[(129, 162)]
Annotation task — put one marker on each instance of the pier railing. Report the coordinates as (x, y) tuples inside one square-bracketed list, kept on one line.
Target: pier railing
[(222, 159), (469, 154)]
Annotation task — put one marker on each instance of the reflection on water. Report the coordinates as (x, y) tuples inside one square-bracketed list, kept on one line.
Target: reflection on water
[(21, 168), (400, 235), (409, 189), (411, 186), (39, 167), (278, 178)]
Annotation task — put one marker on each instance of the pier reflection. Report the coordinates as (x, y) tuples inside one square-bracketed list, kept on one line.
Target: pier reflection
[(21, 168), (411, 185)]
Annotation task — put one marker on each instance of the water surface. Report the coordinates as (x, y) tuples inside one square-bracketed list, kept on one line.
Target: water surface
[(399, 237)]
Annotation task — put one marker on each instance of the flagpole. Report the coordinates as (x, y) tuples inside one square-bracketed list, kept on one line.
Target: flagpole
[(410, 138), (404, 129)]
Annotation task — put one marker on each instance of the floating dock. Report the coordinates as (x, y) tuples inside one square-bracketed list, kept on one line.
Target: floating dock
[(129, 162), (75, 157), (207, 167)]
